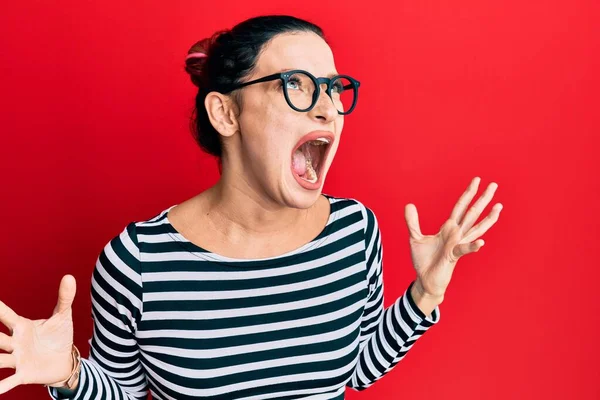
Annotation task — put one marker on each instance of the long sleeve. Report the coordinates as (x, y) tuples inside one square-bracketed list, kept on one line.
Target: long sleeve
[(386, 334), (113, 369)]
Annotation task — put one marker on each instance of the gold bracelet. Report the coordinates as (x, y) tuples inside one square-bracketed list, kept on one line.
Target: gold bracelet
[(70, 381)]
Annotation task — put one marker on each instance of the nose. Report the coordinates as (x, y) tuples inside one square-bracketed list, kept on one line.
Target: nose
[(324, 109)]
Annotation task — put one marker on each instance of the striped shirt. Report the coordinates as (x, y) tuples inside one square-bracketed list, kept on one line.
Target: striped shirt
[(181, 322)]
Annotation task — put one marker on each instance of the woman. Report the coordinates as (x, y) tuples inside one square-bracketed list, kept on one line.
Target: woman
[(259, 287)]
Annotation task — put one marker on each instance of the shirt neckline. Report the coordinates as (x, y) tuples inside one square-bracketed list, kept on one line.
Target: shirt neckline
[(205, 254)]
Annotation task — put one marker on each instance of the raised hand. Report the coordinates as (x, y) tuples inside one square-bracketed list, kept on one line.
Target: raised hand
[(435, 256), (40, 350)]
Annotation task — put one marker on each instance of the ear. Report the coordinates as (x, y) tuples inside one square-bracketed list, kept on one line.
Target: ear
[(221, 113)]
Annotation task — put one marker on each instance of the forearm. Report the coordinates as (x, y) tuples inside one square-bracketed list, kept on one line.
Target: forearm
[(401, 324)]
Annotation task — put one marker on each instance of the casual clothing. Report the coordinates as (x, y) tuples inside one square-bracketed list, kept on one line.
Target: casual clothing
[(184, 323)]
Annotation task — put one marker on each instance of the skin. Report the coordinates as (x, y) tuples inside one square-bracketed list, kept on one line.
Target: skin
[(257, 209)]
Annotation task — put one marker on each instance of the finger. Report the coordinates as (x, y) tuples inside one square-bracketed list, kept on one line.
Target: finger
[(466, 248), (463, 202), (7, 361), (6, 343), (7, 316), (66, 294), (482, 227), (477, 208), (412, 221), (9, 383)]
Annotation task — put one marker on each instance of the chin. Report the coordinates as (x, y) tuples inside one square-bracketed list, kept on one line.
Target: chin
[(307, 200), (298, 196)]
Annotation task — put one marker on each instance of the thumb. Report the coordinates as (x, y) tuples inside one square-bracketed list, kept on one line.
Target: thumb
[(412, 221), (66, 294)]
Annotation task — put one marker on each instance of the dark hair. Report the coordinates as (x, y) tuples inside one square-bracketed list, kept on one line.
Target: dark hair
[(230, 56)]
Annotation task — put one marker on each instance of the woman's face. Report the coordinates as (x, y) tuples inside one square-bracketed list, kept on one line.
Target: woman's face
[(271, 131)]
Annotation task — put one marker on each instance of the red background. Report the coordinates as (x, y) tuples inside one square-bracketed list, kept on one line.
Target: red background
[(94, 116)]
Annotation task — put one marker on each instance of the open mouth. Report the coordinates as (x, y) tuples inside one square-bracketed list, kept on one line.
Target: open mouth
[(308, 159)]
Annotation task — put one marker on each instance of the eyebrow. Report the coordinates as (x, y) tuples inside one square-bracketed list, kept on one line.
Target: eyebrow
[(330, 75)]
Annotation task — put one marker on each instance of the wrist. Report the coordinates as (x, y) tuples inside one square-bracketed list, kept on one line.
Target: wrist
[(425, 302), (66, 391), (420, 291), (71, 381)]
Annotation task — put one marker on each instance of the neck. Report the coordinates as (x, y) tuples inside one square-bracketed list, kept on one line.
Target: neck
[(238, 210)]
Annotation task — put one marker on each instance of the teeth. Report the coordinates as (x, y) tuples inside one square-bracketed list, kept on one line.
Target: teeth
[(311, 174)]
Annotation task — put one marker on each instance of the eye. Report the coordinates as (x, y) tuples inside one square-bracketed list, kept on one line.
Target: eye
[(338, 86), (294, 83)]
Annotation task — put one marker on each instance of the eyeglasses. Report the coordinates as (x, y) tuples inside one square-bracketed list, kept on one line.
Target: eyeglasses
[(302, 90)]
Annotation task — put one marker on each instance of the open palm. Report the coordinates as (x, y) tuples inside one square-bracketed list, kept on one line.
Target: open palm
[(40, 350), (434, 257)]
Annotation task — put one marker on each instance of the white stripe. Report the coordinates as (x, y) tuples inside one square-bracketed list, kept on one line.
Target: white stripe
[(121, 266), (408, 331), (251, 348), (247, 384), (368, 358), (247, 330), (87, 380), (411, 313), (159, 216), (386, 323), (103, 361), (109, 335), (110, 316), (258, 292), (251, 366), (237, 274), (97, 382), (132, 248), (258, 310), (325, 396)]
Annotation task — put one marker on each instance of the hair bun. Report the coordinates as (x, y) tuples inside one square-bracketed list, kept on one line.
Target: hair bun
[(196, 60)]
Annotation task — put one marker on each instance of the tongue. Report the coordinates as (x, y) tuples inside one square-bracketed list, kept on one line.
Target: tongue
[(299, 162)]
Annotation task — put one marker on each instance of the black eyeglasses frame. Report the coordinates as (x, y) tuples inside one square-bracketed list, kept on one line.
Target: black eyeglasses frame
[(286, 75)]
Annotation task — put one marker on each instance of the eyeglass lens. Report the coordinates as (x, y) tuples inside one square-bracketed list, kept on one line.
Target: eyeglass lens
[(301, 88)]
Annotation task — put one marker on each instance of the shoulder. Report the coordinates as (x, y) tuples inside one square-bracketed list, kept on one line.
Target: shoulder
[(349, 205), (149, 230), (125, 244)]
